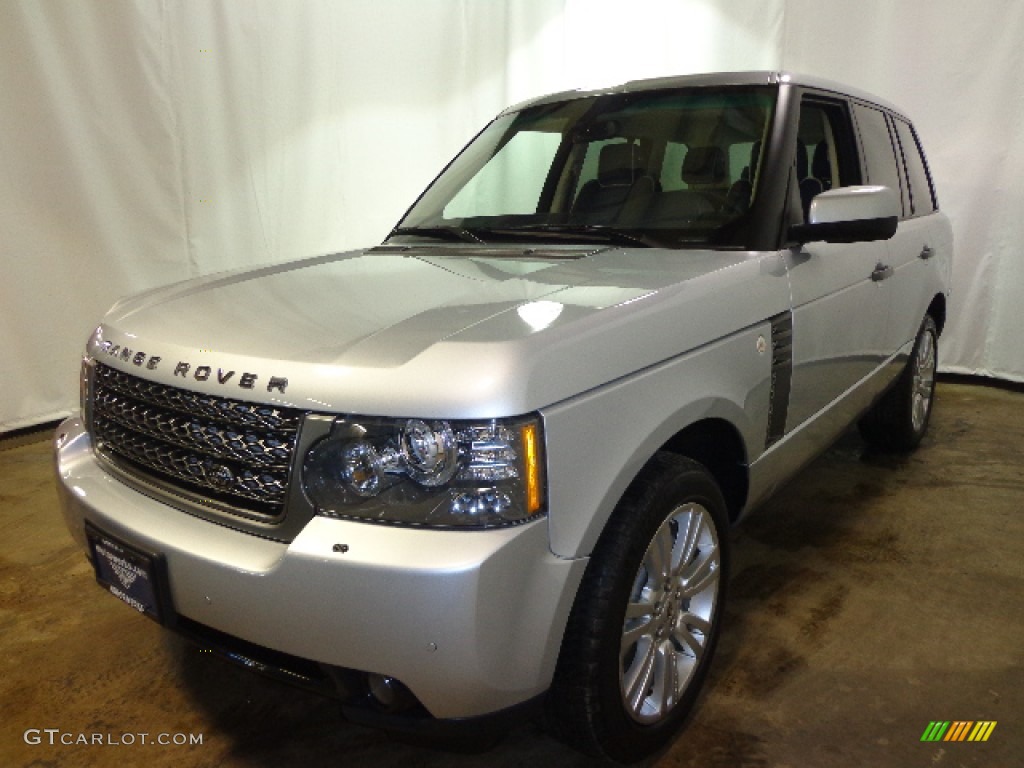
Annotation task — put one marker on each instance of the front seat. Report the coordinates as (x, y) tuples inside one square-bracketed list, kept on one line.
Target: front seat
[(705, 170), (810, 187), (742, 191), (618, 169), (821, 166)]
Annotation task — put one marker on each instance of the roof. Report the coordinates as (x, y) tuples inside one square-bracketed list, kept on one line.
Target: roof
[(712, 80)]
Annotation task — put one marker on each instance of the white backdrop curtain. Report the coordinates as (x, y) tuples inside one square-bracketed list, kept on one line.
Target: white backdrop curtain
[(146, 142)]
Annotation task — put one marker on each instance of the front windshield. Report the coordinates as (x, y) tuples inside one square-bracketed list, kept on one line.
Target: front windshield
[(672, 168)]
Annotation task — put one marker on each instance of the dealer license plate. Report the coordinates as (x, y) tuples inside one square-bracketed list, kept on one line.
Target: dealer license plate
[(126, 572)]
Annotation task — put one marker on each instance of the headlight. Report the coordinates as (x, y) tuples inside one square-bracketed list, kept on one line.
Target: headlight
[(429, 472)]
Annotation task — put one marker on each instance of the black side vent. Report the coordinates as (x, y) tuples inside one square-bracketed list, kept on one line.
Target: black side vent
[(782, 375)]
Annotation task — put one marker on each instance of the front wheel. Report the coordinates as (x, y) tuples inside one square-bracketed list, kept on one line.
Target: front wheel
[(900, 419), (645, 622)]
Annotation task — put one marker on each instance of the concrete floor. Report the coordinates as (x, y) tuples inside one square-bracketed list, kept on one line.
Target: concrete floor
[(871, 597)]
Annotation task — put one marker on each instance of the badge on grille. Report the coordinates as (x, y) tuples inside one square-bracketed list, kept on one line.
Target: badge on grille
[(220, 477)]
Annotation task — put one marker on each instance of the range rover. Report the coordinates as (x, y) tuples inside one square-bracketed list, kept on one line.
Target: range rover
[(489, 467)]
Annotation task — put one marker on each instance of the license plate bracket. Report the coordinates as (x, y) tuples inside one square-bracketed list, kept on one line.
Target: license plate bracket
[(129, 573)]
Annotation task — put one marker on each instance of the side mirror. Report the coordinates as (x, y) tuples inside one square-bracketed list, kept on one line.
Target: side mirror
[(850, 215)]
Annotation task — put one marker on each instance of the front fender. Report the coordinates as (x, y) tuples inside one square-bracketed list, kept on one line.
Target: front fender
[(599, 441)]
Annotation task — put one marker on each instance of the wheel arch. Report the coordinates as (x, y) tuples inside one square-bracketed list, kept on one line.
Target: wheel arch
[(711, 405), (718, 445), (713, 431), (937, 309)]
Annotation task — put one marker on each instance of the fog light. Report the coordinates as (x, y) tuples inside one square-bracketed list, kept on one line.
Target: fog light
[(389, 693), (483, 502)]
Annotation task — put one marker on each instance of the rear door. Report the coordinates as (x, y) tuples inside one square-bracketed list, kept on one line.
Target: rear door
[(917, 241)]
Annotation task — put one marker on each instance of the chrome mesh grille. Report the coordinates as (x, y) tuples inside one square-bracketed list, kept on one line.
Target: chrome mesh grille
[(231, 451)]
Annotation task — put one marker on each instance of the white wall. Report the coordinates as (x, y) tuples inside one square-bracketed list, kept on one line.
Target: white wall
[(956, 68), (145, 142)]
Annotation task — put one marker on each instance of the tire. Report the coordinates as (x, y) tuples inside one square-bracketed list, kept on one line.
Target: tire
[(899, 420), (643, 629)]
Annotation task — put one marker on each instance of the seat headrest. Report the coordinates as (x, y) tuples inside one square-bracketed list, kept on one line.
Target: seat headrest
[(801, 160), (821, 166), (704, 165), (617, 164)]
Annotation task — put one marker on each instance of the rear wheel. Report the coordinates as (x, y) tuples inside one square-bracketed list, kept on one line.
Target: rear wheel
[(898, 421), (644, 626)]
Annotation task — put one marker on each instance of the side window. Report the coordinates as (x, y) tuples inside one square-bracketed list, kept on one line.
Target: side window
[(671, 167), (922, 197), (826, 155), (741, 159), (879, 155)]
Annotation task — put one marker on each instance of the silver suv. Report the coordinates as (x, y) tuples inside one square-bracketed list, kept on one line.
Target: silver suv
[(492, 463)]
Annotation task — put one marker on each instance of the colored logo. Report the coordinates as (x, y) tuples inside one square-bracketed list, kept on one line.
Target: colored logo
[(958, 730)]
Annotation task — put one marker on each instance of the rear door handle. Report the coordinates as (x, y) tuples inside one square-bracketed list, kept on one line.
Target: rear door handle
[(927, 252), (882, 272)]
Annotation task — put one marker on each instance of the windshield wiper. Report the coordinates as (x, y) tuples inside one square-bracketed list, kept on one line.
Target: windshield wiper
[(442, 233), (599, 232)]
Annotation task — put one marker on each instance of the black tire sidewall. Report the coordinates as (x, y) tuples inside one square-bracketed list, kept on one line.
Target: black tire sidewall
[(888, 426), (621, 737), (927, 328)]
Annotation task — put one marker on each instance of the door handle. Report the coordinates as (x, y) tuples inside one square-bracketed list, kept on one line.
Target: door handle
[(927, 252), (882, 272)]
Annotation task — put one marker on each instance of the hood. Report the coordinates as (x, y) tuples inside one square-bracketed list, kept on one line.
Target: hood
[(373, 308), (433, 331)]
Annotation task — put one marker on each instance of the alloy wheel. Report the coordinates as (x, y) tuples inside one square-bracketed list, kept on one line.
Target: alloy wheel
[(669, 614)]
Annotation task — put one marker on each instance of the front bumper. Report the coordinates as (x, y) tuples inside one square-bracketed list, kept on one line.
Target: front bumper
[(470, 621)]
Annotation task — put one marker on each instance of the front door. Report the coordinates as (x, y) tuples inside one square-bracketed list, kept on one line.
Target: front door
[(840, 294)]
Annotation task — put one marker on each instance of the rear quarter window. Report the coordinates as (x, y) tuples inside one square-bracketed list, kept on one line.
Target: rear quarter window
[(922, 194)]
